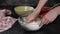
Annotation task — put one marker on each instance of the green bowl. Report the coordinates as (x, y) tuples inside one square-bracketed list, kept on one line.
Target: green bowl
[(23, 10)]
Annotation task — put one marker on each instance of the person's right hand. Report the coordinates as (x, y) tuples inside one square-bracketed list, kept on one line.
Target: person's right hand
[(34, 16), (31, 18)]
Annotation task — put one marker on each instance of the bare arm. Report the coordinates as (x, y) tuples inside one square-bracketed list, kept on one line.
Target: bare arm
[(39, 7), (36, 11), (58, 10)]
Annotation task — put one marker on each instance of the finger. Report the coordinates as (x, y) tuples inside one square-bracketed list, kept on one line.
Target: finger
[(47, 21), (27, 20), (42, 21)]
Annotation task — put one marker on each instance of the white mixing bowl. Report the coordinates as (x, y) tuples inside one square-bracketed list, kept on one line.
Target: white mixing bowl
[(33, 26)]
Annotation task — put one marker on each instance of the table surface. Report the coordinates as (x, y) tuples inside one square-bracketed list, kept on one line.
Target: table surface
[(53, 28), (46, 29)]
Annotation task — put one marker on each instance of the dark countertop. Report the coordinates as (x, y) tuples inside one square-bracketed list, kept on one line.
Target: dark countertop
[(53, 28)]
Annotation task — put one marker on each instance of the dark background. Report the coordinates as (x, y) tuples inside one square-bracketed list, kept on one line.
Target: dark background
[(53, 28)]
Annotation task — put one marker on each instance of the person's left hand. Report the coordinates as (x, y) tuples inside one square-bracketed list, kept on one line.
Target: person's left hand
[(49, 17)]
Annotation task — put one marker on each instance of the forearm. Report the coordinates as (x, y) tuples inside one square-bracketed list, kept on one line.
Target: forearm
[(58, 10), (39, 7)]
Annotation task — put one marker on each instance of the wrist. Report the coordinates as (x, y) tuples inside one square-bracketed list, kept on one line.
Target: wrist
[(36, 12), (37, 9), (58, 12)]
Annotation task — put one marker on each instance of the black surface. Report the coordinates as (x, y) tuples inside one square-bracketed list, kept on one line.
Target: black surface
[(53, 28), (34, 3)]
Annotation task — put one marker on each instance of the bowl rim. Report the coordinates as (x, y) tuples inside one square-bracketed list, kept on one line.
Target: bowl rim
[(23, 6)]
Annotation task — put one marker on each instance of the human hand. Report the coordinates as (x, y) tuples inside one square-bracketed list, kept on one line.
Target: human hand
[(49, 17), (31, 18), (34, 15)]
